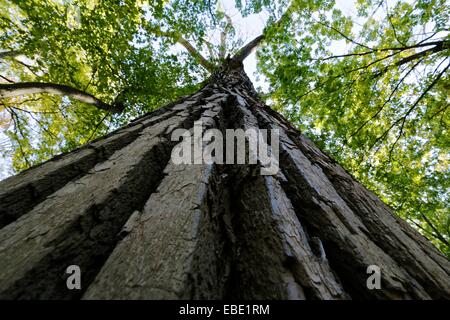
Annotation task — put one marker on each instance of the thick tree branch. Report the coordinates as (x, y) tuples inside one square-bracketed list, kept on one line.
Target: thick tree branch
[(247, 49), (223, 38), (228, 18), (18, 89), (437, 48), (12, 53)]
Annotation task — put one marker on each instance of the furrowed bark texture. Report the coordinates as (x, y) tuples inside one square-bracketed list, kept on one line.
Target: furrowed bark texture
[(141, 227)]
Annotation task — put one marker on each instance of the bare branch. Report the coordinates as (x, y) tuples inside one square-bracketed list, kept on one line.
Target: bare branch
[(247, 49), (18, 89), (223, 38), (228, 18), (210, 48), (213, 16), (29, 67), (6, 79), (32, 115), (34, 111), (440, 110), (429, 37), (438, 236), (223, 35), (186, 44), (344, 73)]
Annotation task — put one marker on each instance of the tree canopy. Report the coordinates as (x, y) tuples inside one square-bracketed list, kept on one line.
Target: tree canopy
[(370, 86)]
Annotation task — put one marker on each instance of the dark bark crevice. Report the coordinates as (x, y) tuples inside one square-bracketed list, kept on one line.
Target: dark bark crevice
[(398, 240), (190, 237), (262, 218)]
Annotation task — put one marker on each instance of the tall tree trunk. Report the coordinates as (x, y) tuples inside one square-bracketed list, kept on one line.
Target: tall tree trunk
[(142, 227)]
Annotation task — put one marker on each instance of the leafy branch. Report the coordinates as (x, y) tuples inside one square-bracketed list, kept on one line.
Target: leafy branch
[(391, 95), (403, 118)]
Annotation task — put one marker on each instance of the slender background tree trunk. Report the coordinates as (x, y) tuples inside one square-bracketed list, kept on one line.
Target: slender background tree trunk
[(141, 227)]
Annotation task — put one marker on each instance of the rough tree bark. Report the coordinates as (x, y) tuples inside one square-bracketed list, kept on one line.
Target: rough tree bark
[(141, 227)]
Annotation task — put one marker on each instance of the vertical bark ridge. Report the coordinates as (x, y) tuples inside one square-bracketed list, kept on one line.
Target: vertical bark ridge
[(175, 249)]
